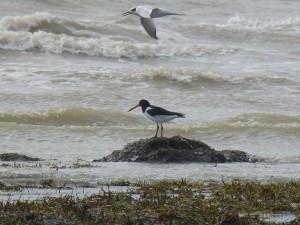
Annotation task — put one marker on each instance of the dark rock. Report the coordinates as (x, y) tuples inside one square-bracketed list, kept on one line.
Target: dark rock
[(176, 149), (235, 156), (16, 157)]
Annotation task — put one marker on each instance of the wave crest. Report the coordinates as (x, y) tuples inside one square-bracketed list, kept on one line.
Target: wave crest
[(45, 32), (53, 43), (118, 120), (72, 116), (40, 21), (188, 75), (261, 121), (246, 23)]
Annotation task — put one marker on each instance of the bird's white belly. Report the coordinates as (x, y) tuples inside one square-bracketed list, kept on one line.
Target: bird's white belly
[(160, 118)]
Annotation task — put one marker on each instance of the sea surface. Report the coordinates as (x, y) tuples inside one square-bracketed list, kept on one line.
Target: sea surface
[(71, 69)]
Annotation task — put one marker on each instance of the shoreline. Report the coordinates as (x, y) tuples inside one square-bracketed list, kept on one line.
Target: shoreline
[(58, 198), (86, 172), (160, 202)]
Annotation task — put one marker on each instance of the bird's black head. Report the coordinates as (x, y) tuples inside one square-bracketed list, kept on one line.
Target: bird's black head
[(142, 103), (131, 11)]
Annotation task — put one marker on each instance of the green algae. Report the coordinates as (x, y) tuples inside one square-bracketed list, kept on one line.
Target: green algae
[(161, 202)]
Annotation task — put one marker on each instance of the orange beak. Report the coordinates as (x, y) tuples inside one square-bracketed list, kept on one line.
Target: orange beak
[(133, 107)]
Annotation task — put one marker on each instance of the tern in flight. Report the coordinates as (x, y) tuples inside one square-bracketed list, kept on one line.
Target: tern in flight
[(146, 14)]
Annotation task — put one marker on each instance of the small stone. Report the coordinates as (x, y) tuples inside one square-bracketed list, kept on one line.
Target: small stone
[(16, 157)]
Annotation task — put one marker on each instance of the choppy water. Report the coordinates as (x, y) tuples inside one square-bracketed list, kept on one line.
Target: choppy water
[(70, 70)]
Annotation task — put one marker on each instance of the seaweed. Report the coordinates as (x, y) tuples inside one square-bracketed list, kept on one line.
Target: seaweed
[(160, 202)]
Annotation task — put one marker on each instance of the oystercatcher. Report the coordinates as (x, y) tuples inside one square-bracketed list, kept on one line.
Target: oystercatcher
[(146, 13), (157, 114)]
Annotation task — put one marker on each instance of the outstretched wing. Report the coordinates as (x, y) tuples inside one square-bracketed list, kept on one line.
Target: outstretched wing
[(149, 26), (156, 12), (152, 12)]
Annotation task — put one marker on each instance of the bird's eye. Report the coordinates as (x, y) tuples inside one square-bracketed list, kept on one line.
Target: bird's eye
[(134, 9)]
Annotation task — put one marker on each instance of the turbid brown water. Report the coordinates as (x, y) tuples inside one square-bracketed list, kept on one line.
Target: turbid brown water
[(69, 71)]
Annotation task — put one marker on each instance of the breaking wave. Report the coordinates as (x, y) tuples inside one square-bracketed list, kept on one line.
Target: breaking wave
[(72, 116), (289, 24), (243, 23), (52, 43), (118, 120), (242, 27), (47, 33), (187, 75), (263, 121), (36, 22)]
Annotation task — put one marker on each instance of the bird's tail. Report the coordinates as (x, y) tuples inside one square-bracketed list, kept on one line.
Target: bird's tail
[(177, 14), (180, 115)]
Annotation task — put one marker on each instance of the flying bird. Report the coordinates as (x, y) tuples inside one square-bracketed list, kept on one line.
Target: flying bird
[(146, 14), (157, 114)]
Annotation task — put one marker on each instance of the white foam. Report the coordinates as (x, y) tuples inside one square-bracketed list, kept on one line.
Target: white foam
[(25, 23), (53, 43), (256, 24)]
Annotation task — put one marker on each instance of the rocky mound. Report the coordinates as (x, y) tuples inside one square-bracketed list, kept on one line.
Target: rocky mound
[(16, 157), (176, 149)]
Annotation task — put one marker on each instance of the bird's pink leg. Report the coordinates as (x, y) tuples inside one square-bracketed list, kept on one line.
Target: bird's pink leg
[(156, 130)]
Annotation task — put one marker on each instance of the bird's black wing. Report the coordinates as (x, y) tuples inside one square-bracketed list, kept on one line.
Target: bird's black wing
[(161, 111)]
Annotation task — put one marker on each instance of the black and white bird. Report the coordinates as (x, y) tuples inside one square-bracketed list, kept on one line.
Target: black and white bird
[(146, 14), (157, 114)]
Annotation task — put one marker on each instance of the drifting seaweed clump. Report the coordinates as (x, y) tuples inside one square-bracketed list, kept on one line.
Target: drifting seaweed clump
[(162, 202)]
